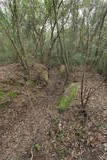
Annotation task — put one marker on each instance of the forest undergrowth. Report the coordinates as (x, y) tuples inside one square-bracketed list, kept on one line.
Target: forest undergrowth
[(32, 128)]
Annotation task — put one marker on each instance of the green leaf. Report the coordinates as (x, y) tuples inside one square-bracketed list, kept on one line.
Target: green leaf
[(4, 104), (2, 95), (37, 147), (12, 94)]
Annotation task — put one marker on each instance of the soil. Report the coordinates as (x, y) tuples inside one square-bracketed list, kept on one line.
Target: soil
[(31, 128)]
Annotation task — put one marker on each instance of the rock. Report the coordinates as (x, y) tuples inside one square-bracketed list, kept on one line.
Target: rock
[(62, 70), (39, 72), (68, 96)]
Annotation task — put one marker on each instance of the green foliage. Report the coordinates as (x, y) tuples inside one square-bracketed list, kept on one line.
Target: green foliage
[(102, 126), (60, 136), (56, 121), (31, 83), (4, 104), (48, 5), (12, 94), (101, 66), (37, 147), (2, 95), (17, 158), (6, 97), (38, 30), (77, 59), (68, 97), (62, 153), (6, 52)]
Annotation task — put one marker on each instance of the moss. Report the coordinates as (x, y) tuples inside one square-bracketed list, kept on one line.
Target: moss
[(68, 96)]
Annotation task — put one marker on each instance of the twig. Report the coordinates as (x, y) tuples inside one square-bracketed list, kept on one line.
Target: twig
[(82, 88), (32, 155)]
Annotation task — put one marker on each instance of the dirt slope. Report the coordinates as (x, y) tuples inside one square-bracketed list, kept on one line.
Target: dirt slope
[(31, 120)]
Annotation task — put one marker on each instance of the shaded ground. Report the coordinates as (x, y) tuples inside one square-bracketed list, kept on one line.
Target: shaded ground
[(32, 129)]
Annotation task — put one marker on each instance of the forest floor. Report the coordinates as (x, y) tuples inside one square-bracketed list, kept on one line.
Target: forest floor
[(31, 128)]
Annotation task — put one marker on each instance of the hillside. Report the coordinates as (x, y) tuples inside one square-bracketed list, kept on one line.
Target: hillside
[(31, 128)]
